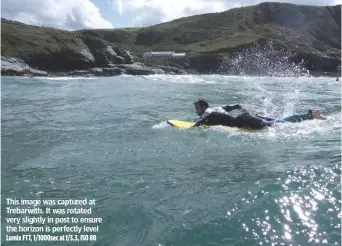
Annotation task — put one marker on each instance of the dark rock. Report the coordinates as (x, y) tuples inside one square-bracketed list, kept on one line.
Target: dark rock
[(130, 69), (205, 63), (113, 71), (127, 56), (106, 71), (79, 72), (66, 60), (317, 63), (194, 64), (175, 70), (106, 53), (130, 58), (96, 71), (38, 72), (15, 66), (137, 69)]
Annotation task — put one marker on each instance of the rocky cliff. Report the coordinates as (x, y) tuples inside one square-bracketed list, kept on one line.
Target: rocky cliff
[(264, 38)]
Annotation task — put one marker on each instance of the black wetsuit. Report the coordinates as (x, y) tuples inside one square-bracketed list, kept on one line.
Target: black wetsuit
[(216, 118), (246, 120)]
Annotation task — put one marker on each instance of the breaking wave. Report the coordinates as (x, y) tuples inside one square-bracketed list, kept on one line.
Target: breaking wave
[(265, 60)]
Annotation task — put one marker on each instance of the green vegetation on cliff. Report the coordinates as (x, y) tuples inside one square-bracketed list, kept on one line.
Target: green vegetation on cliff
[(21, 40), (304, 28), (312, 33)]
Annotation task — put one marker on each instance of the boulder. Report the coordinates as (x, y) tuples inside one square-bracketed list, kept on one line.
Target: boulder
[(17, 67)]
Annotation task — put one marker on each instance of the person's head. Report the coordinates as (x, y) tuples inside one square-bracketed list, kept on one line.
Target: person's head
[(316, 114), (201, 105)]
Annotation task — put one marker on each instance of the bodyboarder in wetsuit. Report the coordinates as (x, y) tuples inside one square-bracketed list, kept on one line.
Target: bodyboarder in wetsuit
[(220, 116)]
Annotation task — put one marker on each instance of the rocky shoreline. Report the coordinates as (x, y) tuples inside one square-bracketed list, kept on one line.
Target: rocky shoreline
[(11, 66)]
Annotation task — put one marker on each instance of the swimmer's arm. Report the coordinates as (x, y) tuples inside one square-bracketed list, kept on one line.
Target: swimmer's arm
[(201, 121), (229, 108)]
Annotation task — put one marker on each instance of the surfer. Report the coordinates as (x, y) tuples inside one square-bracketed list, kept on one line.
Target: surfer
[(220, 116), (203, 109)]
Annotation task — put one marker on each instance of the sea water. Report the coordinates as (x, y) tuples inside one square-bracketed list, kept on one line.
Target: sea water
[(107, 139)]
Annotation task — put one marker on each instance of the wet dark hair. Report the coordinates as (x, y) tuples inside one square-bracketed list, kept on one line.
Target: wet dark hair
[(202, 103)]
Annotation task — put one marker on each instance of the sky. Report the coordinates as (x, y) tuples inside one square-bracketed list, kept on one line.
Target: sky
[(81, 14)]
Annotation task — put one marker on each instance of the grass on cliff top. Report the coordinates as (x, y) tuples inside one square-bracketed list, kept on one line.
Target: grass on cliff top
[(19, 39), (120, 36)]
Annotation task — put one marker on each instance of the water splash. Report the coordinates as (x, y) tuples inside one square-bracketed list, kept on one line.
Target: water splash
[(160, 125), (265, 60)]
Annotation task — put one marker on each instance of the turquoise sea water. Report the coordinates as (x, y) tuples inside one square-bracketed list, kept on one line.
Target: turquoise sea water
[(107, 139)]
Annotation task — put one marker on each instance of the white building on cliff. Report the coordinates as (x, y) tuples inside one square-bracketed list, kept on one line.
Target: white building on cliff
[(162, 54)]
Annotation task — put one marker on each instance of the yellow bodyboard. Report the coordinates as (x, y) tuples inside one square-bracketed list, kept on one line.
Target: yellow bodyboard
[(188, 124), (180, 123)]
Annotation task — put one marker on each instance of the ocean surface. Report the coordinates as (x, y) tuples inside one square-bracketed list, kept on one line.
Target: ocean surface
[(107, 139)]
